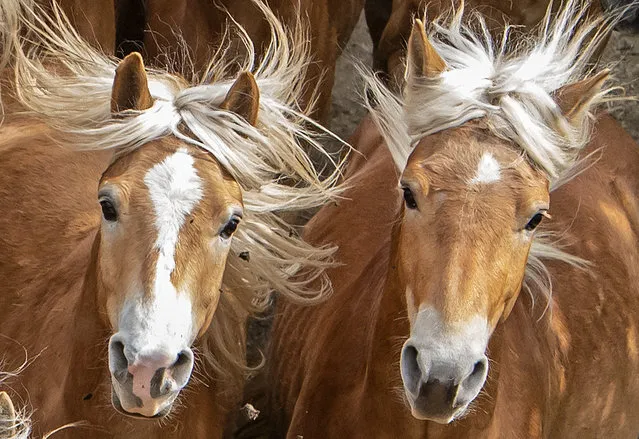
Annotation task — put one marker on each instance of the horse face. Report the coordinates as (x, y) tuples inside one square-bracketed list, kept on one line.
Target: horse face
[(168, 215), (471, 206)]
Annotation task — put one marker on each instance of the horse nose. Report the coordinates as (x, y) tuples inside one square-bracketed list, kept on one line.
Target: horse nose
[(149, 373), (440, 386)]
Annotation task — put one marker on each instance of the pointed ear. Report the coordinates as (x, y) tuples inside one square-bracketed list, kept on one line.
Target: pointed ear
[(423, 60), (7, 414), (130, 87), (243, 98), (575, 99)]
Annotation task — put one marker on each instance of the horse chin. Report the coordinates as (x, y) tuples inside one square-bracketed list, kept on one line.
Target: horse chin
[(117, 405)]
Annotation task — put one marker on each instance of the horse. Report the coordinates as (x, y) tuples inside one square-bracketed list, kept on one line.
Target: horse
[(201, 24), (390, 23), (487, 278), (183, 35), (144, 221)]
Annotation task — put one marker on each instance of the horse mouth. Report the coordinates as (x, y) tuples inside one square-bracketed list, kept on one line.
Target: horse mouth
[(117, 405), (423, 412)]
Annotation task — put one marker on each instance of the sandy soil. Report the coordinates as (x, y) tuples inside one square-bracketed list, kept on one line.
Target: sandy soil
[(622, 55)]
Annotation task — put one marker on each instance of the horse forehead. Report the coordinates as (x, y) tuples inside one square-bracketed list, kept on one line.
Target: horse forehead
[(458, 167), (175, 189)]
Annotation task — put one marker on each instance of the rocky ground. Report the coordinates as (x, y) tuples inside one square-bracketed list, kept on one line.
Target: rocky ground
[(622, 55)]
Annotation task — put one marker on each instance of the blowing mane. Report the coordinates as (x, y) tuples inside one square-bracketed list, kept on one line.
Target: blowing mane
[(67, 83), (511, 86)]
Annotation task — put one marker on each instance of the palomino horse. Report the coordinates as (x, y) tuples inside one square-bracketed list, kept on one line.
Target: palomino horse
[(142, 225), (427, 334)]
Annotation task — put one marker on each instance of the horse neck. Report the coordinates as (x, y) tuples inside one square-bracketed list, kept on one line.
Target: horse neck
[(391, 326)]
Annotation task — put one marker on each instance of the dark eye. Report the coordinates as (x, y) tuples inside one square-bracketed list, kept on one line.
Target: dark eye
[(408, 198), (535, 221), (108, 210), (230, 228)]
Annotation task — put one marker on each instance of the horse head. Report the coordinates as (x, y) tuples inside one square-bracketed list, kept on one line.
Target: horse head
[(492, 136)]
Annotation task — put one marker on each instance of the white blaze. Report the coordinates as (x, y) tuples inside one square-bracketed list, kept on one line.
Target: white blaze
[(488, 170), (160, 325)]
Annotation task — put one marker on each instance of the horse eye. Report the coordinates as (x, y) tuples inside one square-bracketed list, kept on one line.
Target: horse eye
[(409, 198), (534, 221), (108, 210), (230, 228)]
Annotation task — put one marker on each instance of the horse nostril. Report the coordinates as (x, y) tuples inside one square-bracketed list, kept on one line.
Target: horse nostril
[(117, 352), (411, 372), (475, 381), (478, 369), (181, 369), (118, 363), (182, 359)]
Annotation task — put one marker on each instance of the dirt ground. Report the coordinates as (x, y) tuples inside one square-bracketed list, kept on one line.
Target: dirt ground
[(622, 55)]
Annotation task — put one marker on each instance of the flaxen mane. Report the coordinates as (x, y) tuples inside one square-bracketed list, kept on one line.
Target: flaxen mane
[(511, 88), (67, 83)]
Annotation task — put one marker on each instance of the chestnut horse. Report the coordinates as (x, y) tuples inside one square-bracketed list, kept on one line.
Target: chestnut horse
[(184, 34), (202, 23), (143, 223), (390, 23), (427, 334)]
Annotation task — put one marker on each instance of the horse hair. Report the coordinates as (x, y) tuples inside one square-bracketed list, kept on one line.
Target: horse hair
[(67, 83), (510, 86)]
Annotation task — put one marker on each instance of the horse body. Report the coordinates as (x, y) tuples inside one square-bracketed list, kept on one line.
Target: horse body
[(59, 218), (185, 34), (122, 247), (95, 20), (427, 299), (201, 23), (546, 378), (393, 27)]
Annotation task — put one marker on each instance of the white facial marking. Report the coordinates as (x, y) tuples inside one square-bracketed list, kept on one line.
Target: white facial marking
[(488, 170), (450, 344), (158, 327)]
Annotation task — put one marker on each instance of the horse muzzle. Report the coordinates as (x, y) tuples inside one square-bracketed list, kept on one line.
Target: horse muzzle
[(146, 382), (443, 365), (438, 391)]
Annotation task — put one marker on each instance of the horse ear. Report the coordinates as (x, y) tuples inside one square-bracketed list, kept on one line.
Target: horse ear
[(423, 60), (243, 98), (7, 414), (575, 99), (130, 87)]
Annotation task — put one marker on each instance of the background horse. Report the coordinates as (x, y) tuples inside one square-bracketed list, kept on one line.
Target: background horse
[(427, 334), (390, 22), (143, 224), (185, 34)]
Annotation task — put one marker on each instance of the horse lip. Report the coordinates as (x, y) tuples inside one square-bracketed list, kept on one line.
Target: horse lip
[(117, 405), (458, 412)]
